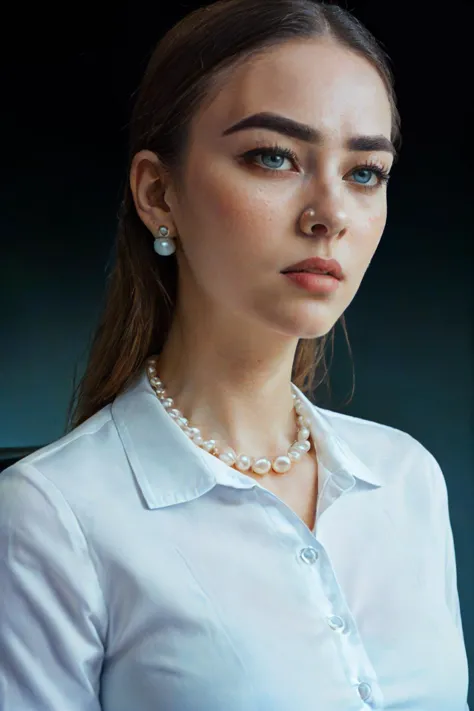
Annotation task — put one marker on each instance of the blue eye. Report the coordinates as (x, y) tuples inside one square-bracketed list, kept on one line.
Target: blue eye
[(278, 156), (370, 169), (279, 153), (368, 173)]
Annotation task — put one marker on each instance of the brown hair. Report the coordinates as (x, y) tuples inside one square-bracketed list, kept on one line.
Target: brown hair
[(181, 74)]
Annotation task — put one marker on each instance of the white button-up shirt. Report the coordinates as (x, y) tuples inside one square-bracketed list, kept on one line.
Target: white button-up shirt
[(140, 573)]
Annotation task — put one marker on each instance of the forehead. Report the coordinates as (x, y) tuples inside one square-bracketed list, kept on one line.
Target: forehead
[(316, 81)]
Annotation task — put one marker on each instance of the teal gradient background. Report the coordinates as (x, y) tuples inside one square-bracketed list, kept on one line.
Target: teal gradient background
[(66, 102)]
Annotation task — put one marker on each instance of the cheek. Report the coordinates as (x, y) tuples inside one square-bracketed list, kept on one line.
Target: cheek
[(372, 229), (376, 221), (235, 220), (363, 241)]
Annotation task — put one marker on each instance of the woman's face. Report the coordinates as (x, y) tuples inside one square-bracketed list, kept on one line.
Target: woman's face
[(238, 214)]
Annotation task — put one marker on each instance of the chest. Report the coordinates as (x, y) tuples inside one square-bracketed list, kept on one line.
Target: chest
[(212, 608)]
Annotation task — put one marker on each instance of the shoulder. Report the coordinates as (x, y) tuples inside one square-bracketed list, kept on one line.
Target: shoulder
[(88, 439), (69, 471), (389, 450), (360, 433), (353, 428)]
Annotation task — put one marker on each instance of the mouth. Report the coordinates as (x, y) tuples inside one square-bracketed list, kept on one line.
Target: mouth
[(317, 265), (308, 271)]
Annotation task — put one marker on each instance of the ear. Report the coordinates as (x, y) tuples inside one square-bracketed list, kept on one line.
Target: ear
[(152, 191)]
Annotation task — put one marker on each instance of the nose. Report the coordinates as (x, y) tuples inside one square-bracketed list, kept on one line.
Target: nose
[(328, 221)]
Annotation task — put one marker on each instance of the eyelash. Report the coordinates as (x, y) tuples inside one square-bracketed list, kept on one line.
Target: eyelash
[(383, 175)]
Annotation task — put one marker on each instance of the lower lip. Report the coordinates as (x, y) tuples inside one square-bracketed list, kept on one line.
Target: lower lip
[(315, 283)]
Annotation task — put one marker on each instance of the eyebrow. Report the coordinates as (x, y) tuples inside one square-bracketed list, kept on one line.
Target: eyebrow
[(308, 134)]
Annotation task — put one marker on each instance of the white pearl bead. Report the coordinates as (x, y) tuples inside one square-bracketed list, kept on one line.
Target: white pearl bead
[(228, 457), (301, 446), (155, 381), (174, 413), (299, 407), (198, 440), (243, 463), (168, 402), (165, 246), (294, 455), (209, 445), (281, 464), (261, 465), (301, 420), (303, 434), (194, 432), (182, 421)]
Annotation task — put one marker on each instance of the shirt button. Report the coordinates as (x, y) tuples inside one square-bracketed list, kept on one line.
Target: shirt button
[(336, 623), (309, 555), (364, 691)]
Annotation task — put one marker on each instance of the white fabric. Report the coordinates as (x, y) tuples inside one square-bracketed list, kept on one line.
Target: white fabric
[(140, 573)]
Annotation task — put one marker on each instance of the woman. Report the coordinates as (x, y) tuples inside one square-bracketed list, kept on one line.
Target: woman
[(206, 538)]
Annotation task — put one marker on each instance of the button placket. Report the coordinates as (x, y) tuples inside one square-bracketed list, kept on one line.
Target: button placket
[(309, 555)]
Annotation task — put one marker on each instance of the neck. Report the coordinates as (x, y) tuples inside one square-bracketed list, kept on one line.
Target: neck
[(236, 389)]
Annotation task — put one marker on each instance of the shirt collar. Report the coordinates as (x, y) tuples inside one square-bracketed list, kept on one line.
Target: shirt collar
[(170, 469)]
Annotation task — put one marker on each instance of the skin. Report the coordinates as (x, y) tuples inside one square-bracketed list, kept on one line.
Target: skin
[(228, 360)]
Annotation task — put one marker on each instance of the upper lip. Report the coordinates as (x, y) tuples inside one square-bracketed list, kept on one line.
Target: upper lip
[(317, 264)]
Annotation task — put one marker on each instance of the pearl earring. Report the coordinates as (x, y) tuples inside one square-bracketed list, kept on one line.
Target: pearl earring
[(164, 245)]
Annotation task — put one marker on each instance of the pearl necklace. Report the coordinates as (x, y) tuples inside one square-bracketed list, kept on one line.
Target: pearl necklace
[(242, 462)]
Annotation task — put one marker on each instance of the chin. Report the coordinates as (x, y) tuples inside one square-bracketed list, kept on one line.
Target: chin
[(308, 328), (302, 319), (312, 322), (315, 333)]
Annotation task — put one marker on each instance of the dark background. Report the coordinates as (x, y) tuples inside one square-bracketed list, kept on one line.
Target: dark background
[(67, 85)]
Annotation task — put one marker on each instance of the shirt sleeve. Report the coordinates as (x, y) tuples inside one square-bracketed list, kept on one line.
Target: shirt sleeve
[(52, 613), (452, 593), (442, 521)]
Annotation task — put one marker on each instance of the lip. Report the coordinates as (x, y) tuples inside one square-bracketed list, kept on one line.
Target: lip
[(317, 265), (313, 282)]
